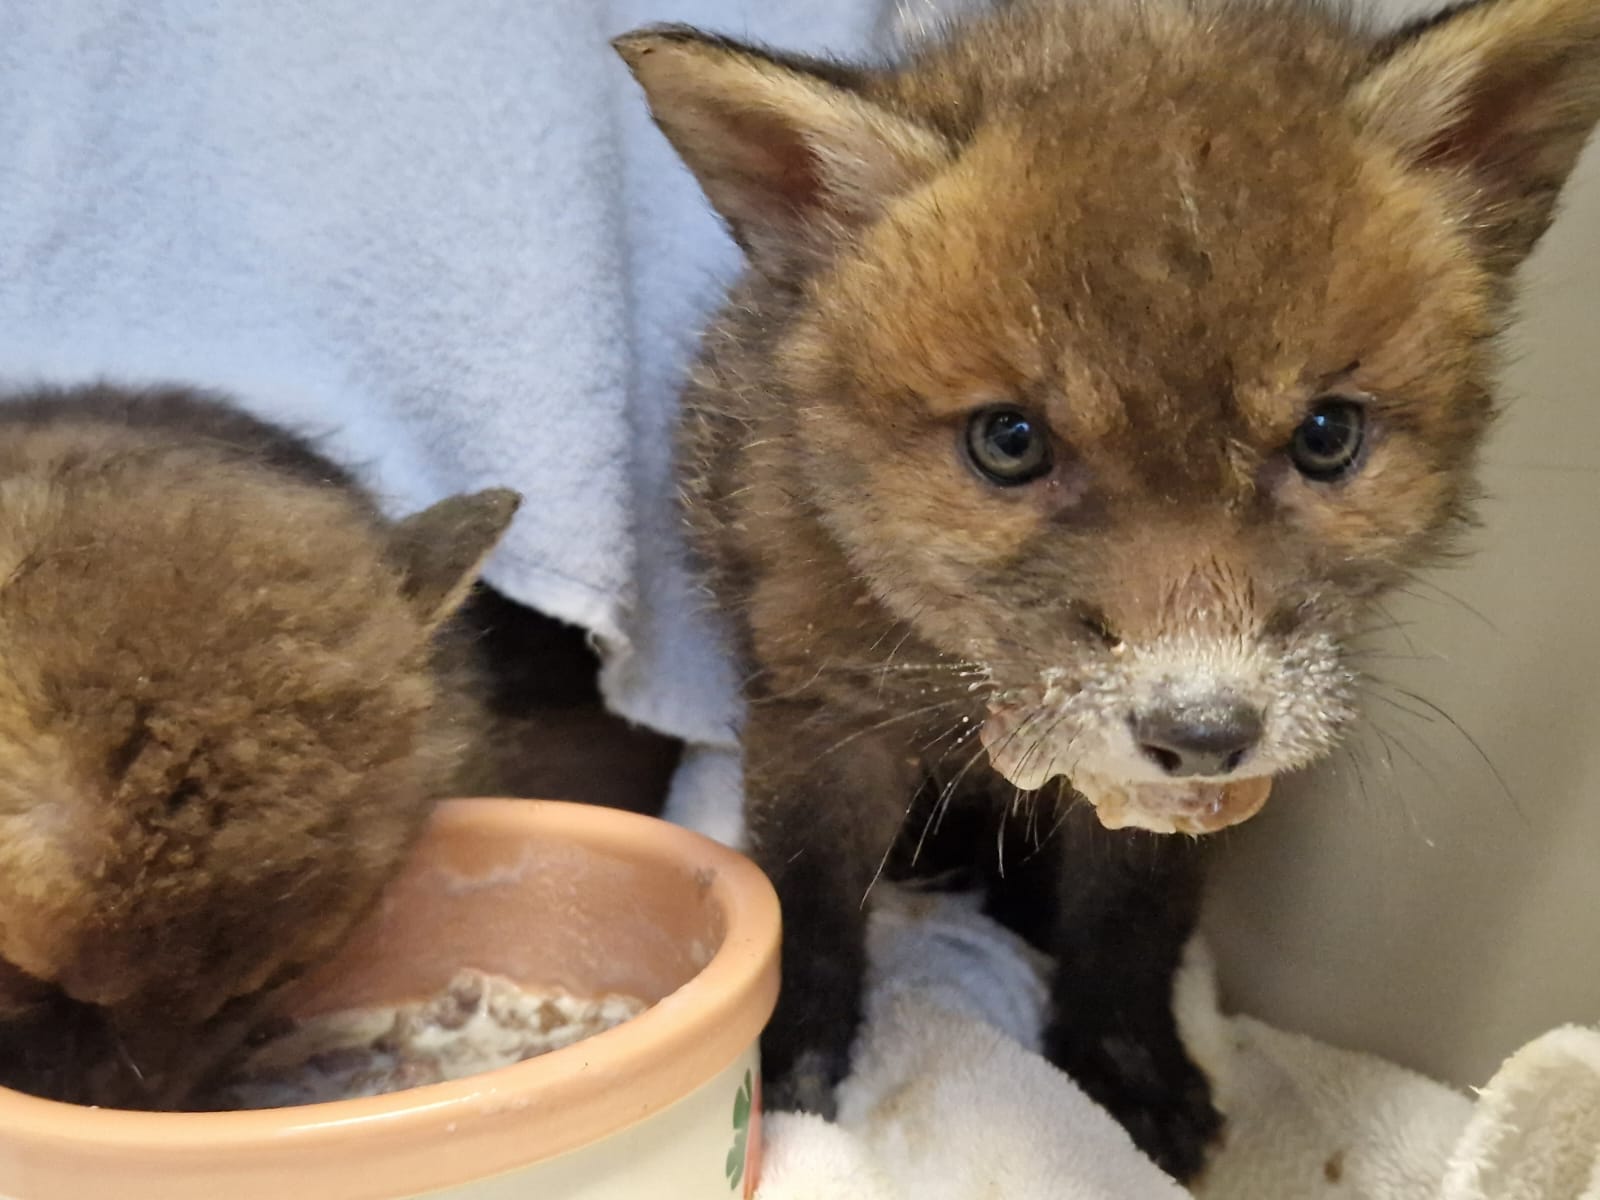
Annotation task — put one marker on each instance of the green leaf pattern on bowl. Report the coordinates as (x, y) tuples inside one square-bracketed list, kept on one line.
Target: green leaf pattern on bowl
[(742, 1102)]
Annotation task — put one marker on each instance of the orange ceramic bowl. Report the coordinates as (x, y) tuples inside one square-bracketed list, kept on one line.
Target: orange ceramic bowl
[(666, 1106)]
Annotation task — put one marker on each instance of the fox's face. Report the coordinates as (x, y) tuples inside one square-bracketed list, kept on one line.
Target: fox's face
[(1133, 350)]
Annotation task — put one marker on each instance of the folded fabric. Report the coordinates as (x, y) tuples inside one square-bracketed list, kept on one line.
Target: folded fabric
[(949, 1098), (445, 237)]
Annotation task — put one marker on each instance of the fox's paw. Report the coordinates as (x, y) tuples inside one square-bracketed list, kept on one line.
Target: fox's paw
[(1156, 1094)]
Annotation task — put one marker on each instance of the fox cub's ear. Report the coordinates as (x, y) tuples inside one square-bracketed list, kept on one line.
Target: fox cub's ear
[(1506, 91), (440, 550), (787, 150)]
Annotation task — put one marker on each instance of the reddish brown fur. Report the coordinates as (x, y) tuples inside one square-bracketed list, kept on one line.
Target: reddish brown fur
[(1172, 356), (1165, 229), (222, 713)]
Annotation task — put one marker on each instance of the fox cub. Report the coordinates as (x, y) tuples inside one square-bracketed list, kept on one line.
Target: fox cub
[(1095, 367)]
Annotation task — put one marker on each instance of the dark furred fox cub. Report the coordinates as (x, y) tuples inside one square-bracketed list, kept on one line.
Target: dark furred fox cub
[(231, 692), (1095, 367)]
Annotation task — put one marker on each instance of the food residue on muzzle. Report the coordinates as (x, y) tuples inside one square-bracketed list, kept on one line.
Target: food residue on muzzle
[(1182, 806)]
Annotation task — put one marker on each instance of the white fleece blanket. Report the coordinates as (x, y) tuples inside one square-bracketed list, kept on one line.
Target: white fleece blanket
[(949, 1100), (442, 233)]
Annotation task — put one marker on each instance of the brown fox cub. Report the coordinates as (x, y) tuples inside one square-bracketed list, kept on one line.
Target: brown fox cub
[(228, 701), (1095, 366)]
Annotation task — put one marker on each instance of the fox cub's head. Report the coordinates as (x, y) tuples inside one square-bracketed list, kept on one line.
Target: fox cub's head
[(1129, 349)]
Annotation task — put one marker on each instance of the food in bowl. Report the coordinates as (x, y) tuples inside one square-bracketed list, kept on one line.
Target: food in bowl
[(593, 901), (479, 1022)]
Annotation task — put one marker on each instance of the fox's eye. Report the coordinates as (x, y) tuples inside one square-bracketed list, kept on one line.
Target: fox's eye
[(1328, 442), (1008, 446)]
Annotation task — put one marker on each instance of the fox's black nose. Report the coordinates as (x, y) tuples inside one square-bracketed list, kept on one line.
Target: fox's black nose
[(1209, 738)]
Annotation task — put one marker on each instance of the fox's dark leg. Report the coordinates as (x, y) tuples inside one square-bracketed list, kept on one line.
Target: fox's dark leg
[(1127, 904), (822, 809)]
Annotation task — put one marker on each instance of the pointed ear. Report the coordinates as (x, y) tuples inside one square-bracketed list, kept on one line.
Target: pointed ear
[(787, 150), (440, 550), (1506, 91)]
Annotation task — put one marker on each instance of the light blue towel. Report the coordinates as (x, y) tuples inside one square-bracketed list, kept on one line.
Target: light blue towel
[(442, 232)]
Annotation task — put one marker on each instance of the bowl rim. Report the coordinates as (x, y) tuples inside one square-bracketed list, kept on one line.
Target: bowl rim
[(494, 1122)]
